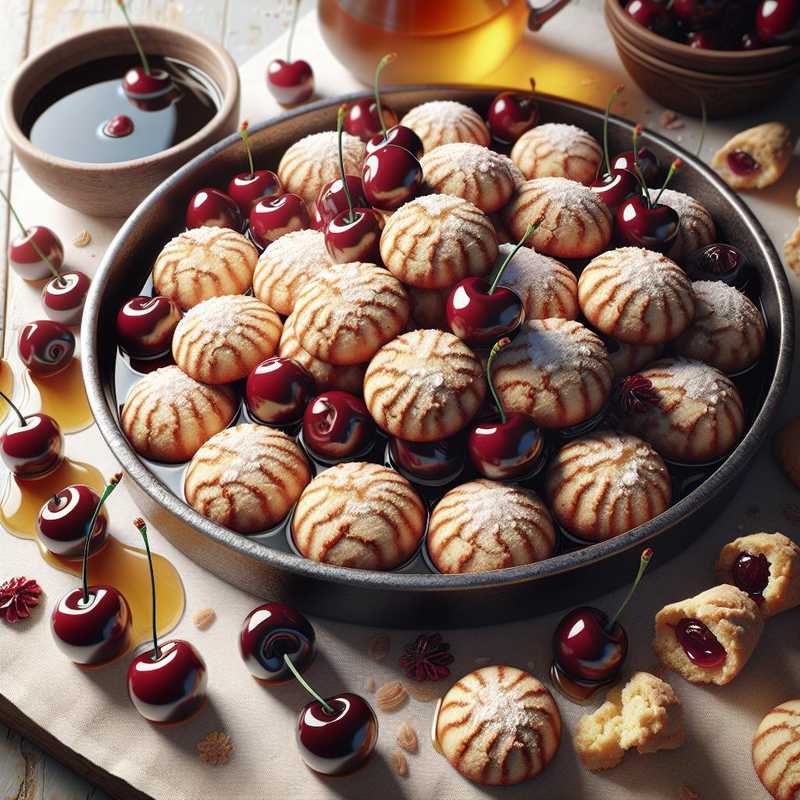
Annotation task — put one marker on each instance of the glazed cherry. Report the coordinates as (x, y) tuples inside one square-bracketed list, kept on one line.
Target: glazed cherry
[(145, 326), (337, 425), (751, 574), (355, 236), (271, 218), (649, 165), (247, 188), (213, 208), (702, 648), (616, 188), (428, 462), (742, 163), (750, 41), (400, 135), (511, 114), (32, 447), (62, 523), (271, 631), (362, 119), (64, 297), (290, 82), (118, 126), (391, 176), (35, 253), (703, 40), (46, 347), (277, 391), (640, 224), (776, 17), (717, 262), (332, 198), (652, 14), (698, 14)]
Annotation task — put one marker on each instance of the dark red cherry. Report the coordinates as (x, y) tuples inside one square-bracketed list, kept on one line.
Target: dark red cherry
[(63, 298), (400, 135), (742, 163), (214, 209), (33, 446), (290, 83), (703, 40), (751, 574), (118, 127), (586, 649), (271, 631), (169, 685), (27, 261), (277, 391), (641, 225), (145, 326), (63, 520), (391, 176), (337, 425), (271, 218), (717, 262), (503, 450), (702, 648), (93, 632), (429, 462), (652, 14), (697, 14), (615, 188), (332, 199), (648, 164), (479, 316), (138, 84), (355, 237), (246, 188), (776, 17), (338, 741), (361, 118), (750, 41), (511, 114), (46, 347)]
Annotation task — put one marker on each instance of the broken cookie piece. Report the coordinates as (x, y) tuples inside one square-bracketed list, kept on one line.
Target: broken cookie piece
[(756, 157)]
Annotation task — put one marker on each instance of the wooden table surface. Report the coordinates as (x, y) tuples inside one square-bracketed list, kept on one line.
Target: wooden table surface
[(244, 27)]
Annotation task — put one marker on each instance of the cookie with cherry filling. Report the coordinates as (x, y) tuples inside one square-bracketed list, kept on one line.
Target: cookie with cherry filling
[(755, 158)]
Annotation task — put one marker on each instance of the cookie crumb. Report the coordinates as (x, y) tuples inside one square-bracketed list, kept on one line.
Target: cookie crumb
[(671, 121), (407, 738), (204, 618), (215, 749), (370, 684), (686, 793), (82, 238), (399, 763), (424, 692), (791, 250), (378, 647), (391, 696)]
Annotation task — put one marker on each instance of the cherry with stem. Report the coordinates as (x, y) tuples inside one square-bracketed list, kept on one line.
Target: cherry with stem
[(384, 62), (87, 543), (135, 37), (644, 563), (244, 133), (529, 231), (306, 685), (611, 99), (141, 526), (340, 115)]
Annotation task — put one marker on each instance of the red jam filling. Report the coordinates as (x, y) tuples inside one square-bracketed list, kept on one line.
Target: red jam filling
[(699, 643), (751, 574), (118, 126), (742, 163)]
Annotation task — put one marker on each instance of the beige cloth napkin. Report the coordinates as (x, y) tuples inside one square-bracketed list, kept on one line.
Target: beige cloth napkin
[(90, 712)]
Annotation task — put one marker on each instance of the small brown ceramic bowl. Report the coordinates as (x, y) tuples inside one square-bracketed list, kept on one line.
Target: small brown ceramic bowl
[(676, 75), (114, 190)]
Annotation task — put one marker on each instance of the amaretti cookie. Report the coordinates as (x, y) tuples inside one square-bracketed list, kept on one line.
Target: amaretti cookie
[(287, 265), (359, 515), (222, 339), (775, 747), (573, 221), (755, 158), (555, 370), (434, 241), (727, 332), (636, 296), (424, 385), (348, 311), (444, 121), (246, 478), (690, 412), (314, 160), (767, 567), (556, 150), (204, 262), (485, 525), (606, 483), (167, 415), (498, 726), (708, 638), (696, 228)]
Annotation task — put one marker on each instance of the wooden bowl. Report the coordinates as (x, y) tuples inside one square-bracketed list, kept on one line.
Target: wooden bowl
[(114, 190)]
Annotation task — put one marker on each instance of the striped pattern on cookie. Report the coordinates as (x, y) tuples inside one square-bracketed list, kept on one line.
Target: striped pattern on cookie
[(348, 311), (246, 478), (203, 263), (444, 121), (605, 484), (573, 221), (223, 338), (486, 525), (424, 385), (287, 265), (636, 296), (696, 228), (436, 240), (167, 415), (555, 370), (555, 150), (359, 515), (776, 751), (498, 726)]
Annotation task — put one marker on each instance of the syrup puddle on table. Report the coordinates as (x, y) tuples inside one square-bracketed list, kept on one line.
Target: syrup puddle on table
[(63, 397), (6, 386), (580, 693)]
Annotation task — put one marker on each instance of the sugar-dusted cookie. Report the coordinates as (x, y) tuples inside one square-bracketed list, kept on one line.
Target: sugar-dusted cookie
[(573, 221), (691, 413), (287, 265), (498, 726), (755, 158), (167, 415), (348, 311), (314, 160), (359, 515), (555, 370), (246, 478), (473, 172), (556, 150), (434, 241), (606, 483), (710, 637), (727, 332), (428, 307), (204, 262), (222, 339), (775, 746), (636, 296), (767, 567), (424, 385), (444, 121), (485, 525), (696, 228)]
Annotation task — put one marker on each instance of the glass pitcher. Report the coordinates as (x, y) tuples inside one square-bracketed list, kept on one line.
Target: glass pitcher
[(437, 41)]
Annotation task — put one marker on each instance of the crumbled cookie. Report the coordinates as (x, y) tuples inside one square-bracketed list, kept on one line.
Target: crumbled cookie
[(215, 749), (424, 692), (597, 738), (399, 763), (82, 239), (378, 647), (370, 684), (407, 738), (786, 447), (204, 618), (756, 157), (791, 250), (391, 696)]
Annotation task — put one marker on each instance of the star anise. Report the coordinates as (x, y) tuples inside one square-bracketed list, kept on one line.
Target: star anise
[(426, 658), (17, 595), (635, 393)]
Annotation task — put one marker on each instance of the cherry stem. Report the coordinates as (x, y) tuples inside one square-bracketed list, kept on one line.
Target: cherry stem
[(647, 554), (290, 40), (140, 525), (135, 37), (387, 59), (703, 123), (497, 347), (340, 132), (22, 419), (532, 226), (87, 536), (245, 134), (611, 98), (642, 183), (306, 685), (673, 168)]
